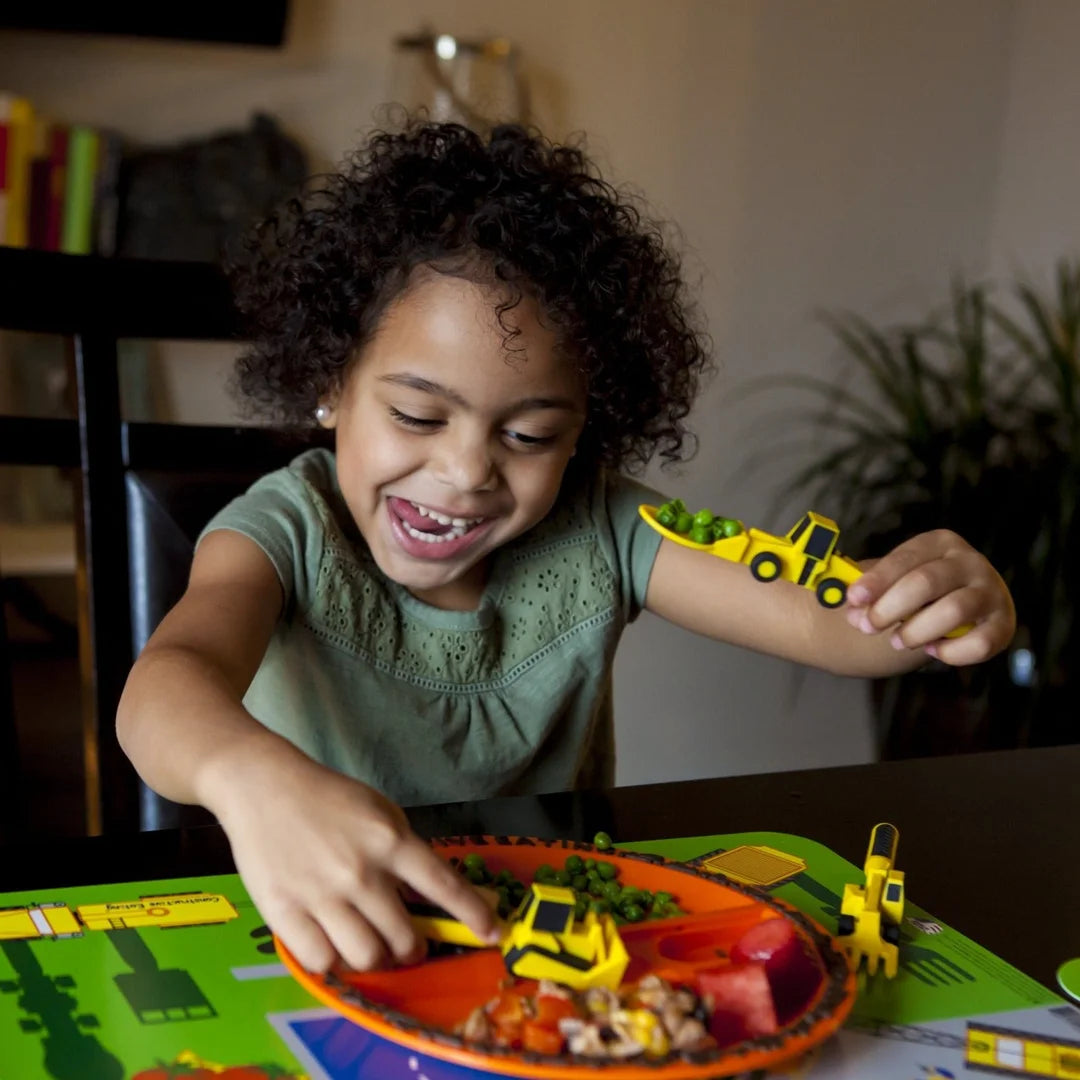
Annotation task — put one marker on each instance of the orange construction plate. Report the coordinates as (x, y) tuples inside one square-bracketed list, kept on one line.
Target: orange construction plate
[(419, 1006)]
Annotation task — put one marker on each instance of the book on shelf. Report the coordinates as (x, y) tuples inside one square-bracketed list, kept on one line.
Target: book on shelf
[(76, 235), (107, 193), (40, 178), (58, 148), (58, 182), (17, 121)]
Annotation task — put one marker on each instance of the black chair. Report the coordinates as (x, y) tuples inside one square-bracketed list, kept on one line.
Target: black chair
[(161, 482), (176, 478), (11, 800)]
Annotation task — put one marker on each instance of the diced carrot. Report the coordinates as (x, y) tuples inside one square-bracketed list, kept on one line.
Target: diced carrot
[(550, 1009), (541, 1038), (507, 1008)]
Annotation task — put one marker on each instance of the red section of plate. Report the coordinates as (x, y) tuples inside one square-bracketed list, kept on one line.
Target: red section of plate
[(419, 1006)]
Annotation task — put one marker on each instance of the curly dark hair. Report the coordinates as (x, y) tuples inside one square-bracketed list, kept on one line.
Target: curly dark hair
[(512, 208)]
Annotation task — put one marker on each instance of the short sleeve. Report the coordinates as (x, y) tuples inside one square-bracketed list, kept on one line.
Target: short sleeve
[(634, 544), (281, 513)]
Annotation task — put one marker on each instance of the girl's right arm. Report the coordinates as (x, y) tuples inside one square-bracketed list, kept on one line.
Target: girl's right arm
[(322, 855)]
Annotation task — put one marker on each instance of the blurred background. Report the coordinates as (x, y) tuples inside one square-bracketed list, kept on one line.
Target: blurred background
[(877, 204)]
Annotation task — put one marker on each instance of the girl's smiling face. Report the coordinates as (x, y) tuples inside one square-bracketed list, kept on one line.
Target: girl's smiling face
[(450, 443)]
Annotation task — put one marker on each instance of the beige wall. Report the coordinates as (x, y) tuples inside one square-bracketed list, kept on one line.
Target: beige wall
[(1036, 215), (837, 153)]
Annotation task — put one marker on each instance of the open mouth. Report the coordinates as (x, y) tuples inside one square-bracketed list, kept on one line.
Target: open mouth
[(430, 526), (427, 533)]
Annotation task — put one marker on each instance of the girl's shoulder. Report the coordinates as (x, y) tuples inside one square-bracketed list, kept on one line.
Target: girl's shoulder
[(313, 470), (291, 513), (595, 531), (307, 485)]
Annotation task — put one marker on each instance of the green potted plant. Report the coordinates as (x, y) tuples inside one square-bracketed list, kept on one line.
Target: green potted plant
[(968, 420)]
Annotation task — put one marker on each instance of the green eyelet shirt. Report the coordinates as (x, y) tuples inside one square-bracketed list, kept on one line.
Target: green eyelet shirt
[(429, 705)]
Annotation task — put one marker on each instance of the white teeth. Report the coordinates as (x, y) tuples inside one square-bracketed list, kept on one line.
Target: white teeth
[(431, 538), (443, 519)]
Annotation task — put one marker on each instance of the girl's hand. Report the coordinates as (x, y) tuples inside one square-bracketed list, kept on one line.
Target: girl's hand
[(324, 858), (928, 586)]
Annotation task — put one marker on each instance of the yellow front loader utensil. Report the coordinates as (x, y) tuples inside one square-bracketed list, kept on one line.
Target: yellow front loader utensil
[(871, 914), (542, 939)]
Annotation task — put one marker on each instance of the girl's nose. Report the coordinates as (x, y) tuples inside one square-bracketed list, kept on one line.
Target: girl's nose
[(466, 464)]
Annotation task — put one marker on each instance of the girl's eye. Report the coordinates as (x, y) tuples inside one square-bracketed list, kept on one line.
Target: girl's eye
[(412, 421), (518, 438), (529, 440)]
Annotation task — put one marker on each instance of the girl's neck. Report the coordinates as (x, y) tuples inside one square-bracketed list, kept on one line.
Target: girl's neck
[(462, 594)]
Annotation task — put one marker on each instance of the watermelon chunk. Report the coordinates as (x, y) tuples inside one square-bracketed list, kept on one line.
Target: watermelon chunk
[(793, 970), (741, 1003)]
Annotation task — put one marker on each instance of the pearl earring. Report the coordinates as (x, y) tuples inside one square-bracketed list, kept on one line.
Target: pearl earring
[(321, 413)]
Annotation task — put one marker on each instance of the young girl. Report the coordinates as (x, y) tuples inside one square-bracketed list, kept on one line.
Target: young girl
[(430, 612)]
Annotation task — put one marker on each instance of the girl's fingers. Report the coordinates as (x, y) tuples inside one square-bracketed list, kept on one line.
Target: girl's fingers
[(925, 585), (417, 865), (305, 939), (932, 622), (986, 640), (384, 910), (886, 572), (352, 936), (975, 646)]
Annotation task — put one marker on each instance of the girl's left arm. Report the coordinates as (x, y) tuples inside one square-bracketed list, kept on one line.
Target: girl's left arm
[(896, 616)]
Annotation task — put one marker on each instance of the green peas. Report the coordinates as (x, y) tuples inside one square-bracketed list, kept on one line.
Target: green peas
[(594, 882), (703, 527)]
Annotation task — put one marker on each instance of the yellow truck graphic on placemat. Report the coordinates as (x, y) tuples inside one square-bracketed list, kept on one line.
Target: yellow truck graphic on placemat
[(179, 909), (1019, 1053), (39, 921), (59, 921)]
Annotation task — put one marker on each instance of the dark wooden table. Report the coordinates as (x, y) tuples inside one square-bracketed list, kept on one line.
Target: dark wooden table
[(990, 843)]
